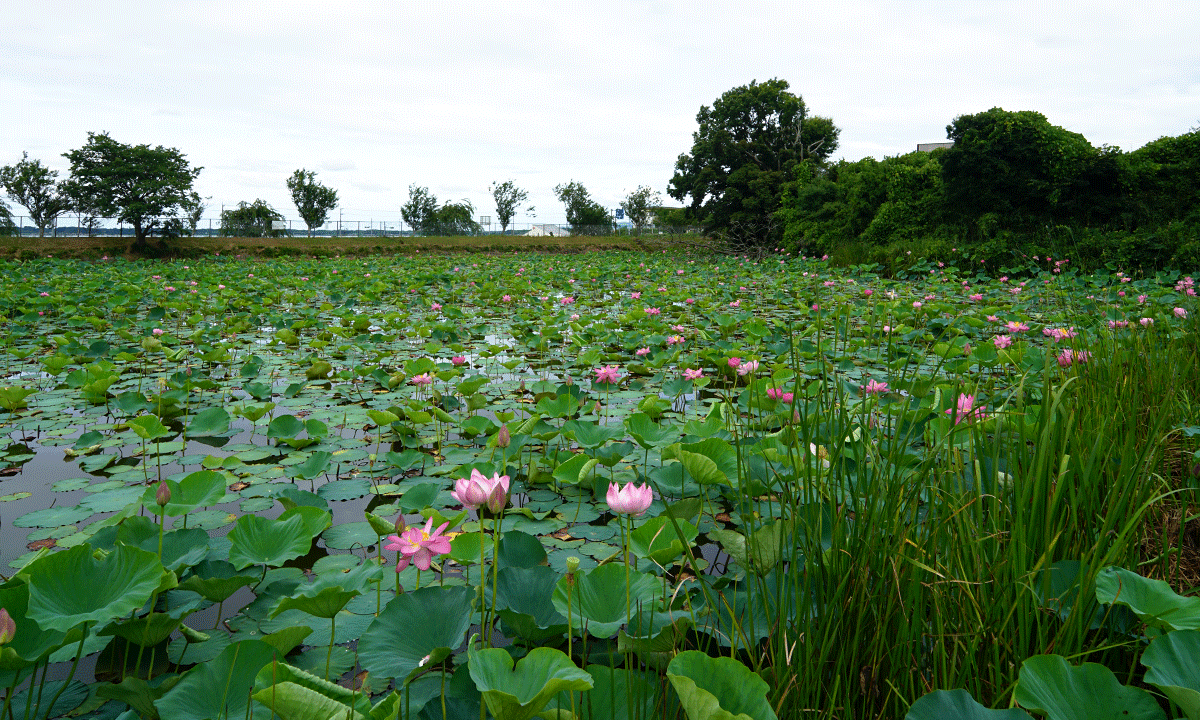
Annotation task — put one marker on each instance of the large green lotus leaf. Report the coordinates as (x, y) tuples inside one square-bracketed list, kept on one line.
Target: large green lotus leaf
[(518, 549), (591, 435), (648, 433), (524, 602), (520, 692), (199, 489), (657, 539), (149, 427), (74, 695), (350, 535), (180, 548), (718, 688), (73, 587), (325, 603), (262, 541), (294, 694), (958, 705), (291, 496), (344, 489), (701, 468), (1050, 685), (1173, 660), (147, 630), (284, 427), (137, 694), (208, 422), (598, 598), (221, 688), (111, 500), (1151, 600), (53, 517), (31, 642), (615, 693), (316, 465), (315, 519), (426, 622)]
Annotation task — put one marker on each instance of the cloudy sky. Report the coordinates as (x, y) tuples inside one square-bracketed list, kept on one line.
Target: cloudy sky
[(377, 95)]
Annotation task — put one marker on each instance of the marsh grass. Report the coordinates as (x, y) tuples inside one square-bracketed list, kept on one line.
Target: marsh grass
[(930, 555)]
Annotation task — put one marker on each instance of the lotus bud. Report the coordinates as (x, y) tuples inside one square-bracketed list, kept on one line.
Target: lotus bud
[(497, 499), (503, 438), (401, 525), (162, 495), (8, 627)]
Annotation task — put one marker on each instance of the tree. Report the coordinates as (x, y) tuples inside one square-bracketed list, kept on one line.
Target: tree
[(194, 210), (250, 220), (420, 211), (583, 213), (508, 196), (33, 185), (1013, 164), (313, 200), (745, 150), (136, 184), (7, 227), (455, 219), (639, 206)]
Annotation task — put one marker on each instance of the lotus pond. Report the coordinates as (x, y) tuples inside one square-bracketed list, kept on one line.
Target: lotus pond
[(842, 495)]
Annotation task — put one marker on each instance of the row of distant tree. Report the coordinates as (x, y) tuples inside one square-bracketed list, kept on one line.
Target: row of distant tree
[(151, 189)]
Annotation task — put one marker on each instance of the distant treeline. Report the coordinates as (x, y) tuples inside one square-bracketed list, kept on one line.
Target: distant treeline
[(1012, 186)]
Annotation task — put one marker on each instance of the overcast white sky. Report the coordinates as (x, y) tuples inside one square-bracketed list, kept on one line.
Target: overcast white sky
[(375, 96)]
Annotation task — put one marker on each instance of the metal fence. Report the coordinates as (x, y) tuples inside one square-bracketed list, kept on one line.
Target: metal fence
[(79, 226)]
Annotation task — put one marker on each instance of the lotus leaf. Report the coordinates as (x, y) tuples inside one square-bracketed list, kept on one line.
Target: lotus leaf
[(718, 688), (598, 598), (429, 622), (1049, 684), (1172, 661), (520, 692), (261, 541), (112, 587)]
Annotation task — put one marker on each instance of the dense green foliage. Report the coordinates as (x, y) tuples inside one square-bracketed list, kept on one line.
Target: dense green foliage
[(32, 184), (1013, 186), (507, 196), (746, 149), (583, 213), (250, 220), (149, 188), (313, 200)]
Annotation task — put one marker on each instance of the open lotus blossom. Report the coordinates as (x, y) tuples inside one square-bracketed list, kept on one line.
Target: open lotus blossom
[(1146, 322), (419, 545), (874, 387), (435, 306), (606, 374), (1002, 341), (778, 394), (1069, 357), (1015, 326), (653, 311), (693, 374), (675, 340), (747, 368), (966, 410), (1180, 313), (629, 500), (479, 490), (642, 352), (422, 379), (734, 362)]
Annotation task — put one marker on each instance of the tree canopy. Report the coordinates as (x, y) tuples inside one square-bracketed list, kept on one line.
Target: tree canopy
[(507, 196), (35, 186), (420, 209), (137, 184), (583, 213), (313, 200), (639, 206), (250, 220), (744, 151)]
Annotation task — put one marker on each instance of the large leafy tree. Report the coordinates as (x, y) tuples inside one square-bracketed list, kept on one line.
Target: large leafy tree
[(250, 220), (507, 196), (583, 213), (420, 212), (7, 226), (149, 188), (639, 206), (313, 200), (745, 150), (1015, 165), (455, 218), (35, 186)]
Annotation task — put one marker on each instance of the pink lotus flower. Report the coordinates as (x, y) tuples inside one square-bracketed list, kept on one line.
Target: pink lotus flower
[(566, 301), (735, 303), (653, 311), (635, 295), (157, 332), (458, 360), (747, 368), (966, 410), (777, 394), (874, 387), (606, 374), (693, 374), (1014, 326), (435, 306), (977, 297), (642, 352), (868, 292), (422, 379), (675, 340), (8, 627), (1002, 341), (480, 490), (917, 304), (1180, 313), (734, 362), (629, 500), (690, 301), (419, 546), (506, 298), (1146, 322)]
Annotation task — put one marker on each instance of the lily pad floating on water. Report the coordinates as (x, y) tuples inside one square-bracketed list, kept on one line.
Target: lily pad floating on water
[(53, 517)]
